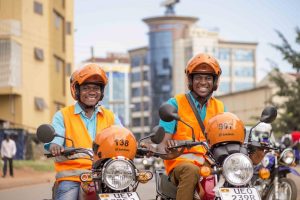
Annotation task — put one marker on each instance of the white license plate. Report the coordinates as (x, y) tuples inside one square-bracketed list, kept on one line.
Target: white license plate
[(119, 196), (239, 194)]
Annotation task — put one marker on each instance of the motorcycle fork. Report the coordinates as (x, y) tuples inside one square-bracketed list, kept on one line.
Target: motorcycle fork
[(276, 179)]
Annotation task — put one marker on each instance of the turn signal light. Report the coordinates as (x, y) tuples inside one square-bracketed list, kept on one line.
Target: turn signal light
[(205, 171), (264, 173), (144, 176), (86, 177)]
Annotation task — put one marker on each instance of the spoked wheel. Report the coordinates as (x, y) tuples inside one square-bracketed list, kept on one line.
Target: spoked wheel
[(287, 190)]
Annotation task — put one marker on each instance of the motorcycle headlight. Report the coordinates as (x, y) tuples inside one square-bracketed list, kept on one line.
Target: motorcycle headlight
[(118, 174), (287, 156), (145, 162), (238, 169)]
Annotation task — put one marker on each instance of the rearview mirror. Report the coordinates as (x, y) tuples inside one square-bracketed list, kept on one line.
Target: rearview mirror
[(158, 135), (269, 114), (45, 133), (168, 113)]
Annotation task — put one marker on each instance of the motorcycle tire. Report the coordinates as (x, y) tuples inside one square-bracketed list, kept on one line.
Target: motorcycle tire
[(290, 183)]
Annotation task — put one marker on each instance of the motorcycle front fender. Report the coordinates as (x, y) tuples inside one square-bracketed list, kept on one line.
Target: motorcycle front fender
[(289, 169)]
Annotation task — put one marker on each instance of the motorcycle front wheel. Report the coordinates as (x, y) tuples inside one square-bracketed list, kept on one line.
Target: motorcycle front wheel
[(287, 190)]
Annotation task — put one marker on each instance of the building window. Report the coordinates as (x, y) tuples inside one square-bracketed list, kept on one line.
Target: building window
[(244, 71), (146, 75), (145, 60), (39, 103), (166, 64), (136, 107), (10, 63), (58, 20), (136, 121), (59, 63), (38, 54), (146, 91), (146, 121), (225, 69), (135, 61), (243, 55), (38, 8), (188, 53), (68, 69), (135, 77), (68, 28), (224, 54), (136, 92), (166, 88)]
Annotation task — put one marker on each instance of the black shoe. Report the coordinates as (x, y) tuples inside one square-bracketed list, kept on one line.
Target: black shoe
[(3, 176)]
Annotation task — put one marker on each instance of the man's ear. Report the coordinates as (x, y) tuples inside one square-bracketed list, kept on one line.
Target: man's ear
[(190, 82)]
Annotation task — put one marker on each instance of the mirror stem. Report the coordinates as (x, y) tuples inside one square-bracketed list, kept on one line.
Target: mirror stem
[(250, 133), (193, 134), (144, 138), (66, 139)]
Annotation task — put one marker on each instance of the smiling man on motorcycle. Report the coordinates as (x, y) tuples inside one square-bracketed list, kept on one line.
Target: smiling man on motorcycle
[(79, 122), (203, 72)]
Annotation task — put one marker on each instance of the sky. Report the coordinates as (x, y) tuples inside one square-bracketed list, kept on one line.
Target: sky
[(117, 26)]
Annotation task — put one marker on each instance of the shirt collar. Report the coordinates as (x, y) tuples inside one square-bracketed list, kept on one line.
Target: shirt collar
[(79, 110), (198, 105)]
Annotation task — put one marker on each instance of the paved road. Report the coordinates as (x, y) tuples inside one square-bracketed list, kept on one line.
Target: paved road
[(43, 191)]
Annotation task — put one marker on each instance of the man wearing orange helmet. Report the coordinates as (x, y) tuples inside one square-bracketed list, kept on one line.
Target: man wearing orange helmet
[(79, 122), (203, 73)]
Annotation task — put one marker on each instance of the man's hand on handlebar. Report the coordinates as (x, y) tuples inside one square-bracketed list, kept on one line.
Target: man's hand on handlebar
[(169, 148), (56, 149)]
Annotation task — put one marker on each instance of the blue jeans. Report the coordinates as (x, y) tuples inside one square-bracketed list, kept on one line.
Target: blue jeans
[(67, 190)]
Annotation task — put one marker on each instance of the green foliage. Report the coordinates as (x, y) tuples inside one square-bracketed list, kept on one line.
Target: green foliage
[(289, 119)]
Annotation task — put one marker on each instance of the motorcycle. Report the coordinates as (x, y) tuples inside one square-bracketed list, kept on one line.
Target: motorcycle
[(230, 170), (273, 183), (113, 174)]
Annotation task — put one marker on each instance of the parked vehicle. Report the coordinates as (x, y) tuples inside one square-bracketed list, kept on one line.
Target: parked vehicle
[(113, 174), (273, 184), (230, 170)]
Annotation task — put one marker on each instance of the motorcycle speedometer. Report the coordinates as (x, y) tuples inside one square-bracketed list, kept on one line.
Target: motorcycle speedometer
[(118, 174), (287, 156), (238, 169)]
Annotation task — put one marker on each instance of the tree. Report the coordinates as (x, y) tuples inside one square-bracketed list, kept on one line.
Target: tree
[(289, 117)]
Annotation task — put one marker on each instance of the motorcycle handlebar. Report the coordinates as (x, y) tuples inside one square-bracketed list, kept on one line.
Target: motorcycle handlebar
[(68, 151), (186, 144), (141, 152)]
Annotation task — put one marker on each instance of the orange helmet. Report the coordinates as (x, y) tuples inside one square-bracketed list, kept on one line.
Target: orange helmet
[(114, 141), (225, 127), (81, 75), (72, 84), (204, 63)]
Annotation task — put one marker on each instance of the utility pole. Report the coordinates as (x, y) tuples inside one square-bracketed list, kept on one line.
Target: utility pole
[(92, 54)]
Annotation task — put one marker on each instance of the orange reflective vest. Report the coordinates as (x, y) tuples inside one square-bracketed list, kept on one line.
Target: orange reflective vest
[(77, 131), (184, 132)]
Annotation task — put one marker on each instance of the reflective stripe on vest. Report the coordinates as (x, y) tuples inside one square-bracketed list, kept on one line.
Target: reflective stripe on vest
[(76, 130), (191, 156), (69, 173), (184, 132), (71, 157)]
